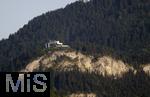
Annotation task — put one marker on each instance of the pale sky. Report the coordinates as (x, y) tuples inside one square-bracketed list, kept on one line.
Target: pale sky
[(15, 13)]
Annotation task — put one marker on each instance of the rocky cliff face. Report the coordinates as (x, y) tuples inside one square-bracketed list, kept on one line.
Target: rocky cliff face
[(146, 69), (68, 60)]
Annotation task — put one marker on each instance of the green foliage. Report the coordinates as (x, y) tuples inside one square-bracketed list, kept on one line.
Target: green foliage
[(53, 93), (119, 28), (129, 85)]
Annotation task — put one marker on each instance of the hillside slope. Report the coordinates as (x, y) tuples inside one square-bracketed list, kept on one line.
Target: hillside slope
[(70, 60), (119, 28), (75, 74)]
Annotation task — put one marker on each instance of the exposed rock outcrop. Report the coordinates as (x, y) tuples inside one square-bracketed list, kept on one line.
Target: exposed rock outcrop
[(146, 69), (68, 60), (32, 66)]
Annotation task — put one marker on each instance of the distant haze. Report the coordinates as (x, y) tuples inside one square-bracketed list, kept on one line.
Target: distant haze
[(15, 13)]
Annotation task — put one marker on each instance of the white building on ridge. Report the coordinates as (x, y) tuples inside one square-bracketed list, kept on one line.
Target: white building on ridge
[(54, 43)]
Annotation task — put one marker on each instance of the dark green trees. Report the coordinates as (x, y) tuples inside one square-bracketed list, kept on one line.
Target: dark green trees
[(116, 27)]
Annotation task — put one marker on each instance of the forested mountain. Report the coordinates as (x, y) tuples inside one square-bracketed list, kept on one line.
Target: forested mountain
[(72, 72), (119, 28)]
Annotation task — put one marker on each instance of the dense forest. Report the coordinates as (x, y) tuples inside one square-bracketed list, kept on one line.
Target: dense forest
[(130, 85), (120, 28)]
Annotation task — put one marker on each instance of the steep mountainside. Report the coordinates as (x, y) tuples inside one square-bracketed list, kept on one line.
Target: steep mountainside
[(118, 28), (67, 60), (70, 60), (78, 75)]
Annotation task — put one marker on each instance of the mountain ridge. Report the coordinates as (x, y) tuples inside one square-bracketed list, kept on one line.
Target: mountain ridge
[(111, 27), (74, 74), (71, 60)]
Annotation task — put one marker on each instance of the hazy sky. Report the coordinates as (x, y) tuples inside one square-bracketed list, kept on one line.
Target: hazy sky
[(15, 13)]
